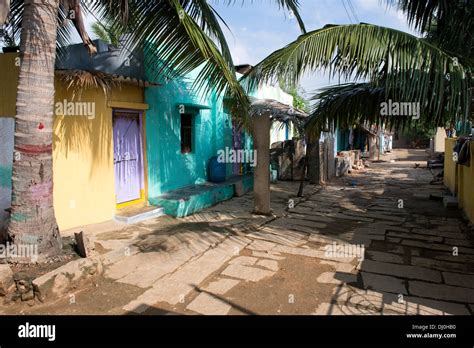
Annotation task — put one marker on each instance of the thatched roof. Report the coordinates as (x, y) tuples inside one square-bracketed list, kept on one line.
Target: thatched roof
[(79, 80), (279, 112)]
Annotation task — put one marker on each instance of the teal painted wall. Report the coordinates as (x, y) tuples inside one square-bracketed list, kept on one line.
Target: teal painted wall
[(5, 176), (7, 126), (168, 168)]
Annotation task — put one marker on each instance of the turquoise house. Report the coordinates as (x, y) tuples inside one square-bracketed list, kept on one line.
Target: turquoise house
[(185, 129)]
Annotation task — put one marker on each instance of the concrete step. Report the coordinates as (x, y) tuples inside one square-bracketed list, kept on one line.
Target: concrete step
[(143, 214)]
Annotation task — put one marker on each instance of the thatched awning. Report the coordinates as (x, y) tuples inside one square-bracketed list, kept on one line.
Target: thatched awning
[(90, 78), (278, 111)]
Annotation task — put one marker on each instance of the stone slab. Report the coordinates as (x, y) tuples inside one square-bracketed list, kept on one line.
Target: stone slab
[(320, 254), (336, 278), (440, 265), (209, 305), (247, 273), (384, 257), (261, 245), (441, 292), (173, 288), (378, 282), (457, 279), (268, 255), (221, 286), (447, 308), (243, 260), (270, 264), (415, 236), (402, 271)]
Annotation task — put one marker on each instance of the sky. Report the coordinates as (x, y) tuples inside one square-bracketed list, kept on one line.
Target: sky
[(259, 27)]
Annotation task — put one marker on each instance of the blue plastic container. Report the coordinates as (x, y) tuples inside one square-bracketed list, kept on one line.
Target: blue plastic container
[(217, 171)]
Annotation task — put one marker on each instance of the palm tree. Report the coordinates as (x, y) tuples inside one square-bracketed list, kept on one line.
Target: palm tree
[(436, 73), (354, 103), (407, 67), (107, 33), (392, 64), (183, 34)]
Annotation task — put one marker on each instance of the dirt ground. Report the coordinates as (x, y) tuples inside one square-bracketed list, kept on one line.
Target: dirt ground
[(280, 267)]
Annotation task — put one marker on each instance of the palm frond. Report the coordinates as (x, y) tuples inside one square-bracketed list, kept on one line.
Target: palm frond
[(352, 104), (176, 44), (409, 66), (451, 19), (100, 31)]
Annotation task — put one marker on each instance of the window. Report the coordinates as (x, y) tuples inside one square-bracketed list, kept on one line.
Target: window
[(186, 133)]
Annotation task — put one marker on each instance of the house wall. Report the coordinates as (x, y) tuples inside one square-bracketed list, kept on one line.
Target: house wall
[(83, 155), (450, 166), (439, 140), (461, 181), (168, 168), (466, 187), (7, 125), (83, 164), (8, 84), (277, 132)]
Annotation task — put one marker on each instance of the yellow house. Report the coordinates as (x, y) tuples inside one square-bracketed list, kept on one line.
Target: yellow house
[(89, 144), (460, 179)]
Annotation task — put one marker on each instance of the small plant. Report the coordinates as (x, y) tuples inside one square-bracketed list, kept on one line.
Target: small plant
[(109, 34)]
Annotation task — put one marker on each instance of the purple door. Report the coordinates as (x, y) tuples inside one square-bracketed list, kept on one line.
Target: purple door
[(127, 156), (237, 145)]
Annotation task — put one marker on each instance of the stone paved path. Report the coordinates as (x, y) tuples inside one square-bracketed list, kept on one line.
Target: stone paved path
[(402, 252)]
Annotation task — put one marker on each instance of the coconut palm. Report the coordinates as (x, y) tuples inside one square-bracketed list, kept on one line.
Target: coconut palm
[(355, 102), (182, 34), (393, 64), (434, 71)]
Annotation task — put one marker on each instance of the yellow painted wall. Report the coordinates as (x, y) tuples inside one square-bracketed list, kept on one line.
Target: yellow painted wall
[(466, 187), (462, 182), (84, 177), (8, 84), (449, 166)]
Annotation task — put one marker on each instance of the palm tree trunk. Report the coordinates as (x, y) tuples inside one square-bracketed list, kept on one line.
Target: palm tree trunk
[(32, 214), (261, 185), (373, 147)]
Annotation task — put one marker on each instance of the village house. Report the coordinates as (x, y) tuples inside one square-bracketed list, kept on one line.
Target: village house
[(128, 146)]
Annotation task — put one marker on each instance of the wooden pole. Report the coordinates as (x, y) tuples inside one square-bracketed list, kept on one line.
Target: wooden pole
[(261, 185)]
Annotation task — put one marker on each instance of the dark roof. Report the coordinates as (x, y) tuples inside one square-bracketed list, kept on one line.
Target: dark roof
[(279, 111), (109, 60)]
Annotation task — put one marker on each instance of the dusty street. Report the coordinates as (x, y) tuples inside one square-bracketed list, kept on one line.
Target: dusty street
[(402, 253)]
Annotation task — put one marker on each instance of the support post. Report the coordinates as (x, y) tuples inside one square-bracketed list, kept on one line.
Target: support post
[(261, 185)]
